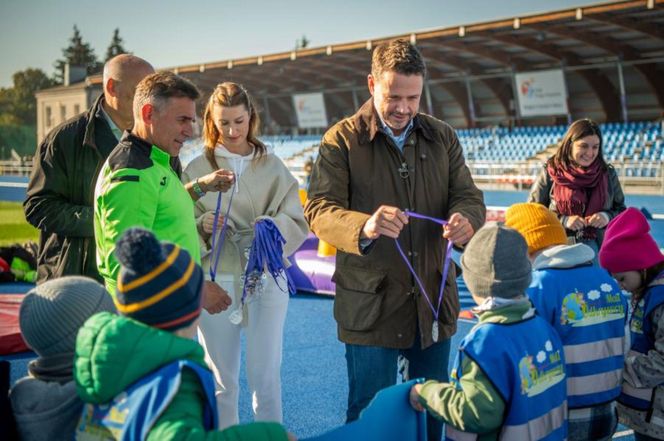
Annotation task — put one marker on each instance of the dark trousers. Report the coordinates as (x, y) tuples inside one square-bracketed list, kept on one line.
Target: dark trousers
[(372, 368)]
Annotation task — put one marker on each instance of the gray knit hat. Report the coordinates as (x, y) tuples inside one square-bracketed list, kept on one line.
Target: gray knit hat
[(495, 262), (52, 313)]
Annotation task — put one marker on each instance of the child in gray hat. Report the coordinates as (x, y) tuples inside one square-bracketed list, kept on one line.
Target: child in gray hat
[(509, 378), (45, 403)]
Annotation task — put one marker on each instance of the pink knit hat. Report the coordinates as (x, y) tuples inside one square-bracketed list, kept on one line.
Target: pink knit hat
[(627, 245)]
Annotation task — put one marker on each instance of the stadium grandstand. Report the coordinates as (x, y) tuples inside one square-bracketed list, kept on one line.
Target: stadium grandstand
[(610, 58)]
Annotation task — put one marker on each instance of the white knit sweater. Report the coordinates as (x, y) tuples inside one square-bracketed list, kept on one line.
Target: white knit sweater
[(264, 188)]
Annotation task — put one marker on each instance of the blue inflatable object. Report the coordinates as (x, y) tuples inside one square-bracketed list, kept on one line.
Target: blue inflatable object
[(389, 417)]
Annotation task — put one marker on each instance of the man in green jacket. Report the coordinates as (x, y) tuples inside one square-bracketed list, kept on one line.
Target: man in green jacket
[(159, 301), (66, 164), (139, 186), (372, 167)]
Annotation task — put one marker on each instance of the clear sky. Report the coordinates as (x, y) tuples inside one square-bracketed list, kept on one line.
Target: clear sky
[(172, 33)]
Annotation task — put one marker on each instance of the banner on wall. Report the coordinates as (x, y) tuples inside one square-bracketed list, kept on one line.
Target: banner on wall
[(541, 93), (310, 110)]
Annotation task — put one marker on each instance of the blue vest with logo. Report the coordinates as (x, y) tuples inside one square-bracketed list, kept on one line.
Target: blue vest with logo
[(131, 414), (589, 311), (526, 364), (642, 341)]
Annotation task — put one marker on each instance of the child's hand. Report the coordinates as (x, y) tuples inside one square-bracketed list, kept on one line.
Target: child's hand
[(414, 398)]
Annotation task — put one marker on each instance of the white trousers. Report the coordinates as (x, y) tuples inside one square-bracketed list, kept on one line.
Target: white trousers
[(265, 317)]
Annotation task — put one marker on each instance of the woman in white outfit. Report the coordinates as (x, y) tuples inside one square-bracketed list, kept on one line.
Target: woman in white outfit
[(264, 188)]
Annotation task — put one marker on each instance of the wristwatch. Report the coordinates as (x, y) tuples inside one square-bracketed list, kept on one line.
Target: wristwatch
[(197, 189)]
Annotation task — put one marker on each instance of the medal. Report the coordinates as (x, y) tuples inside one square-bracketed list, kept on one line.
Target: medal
[(444, 270), (236, 316)]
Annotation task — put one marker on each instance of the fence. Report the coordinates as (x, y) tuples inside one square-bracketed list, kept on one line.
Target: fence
[(635, 176), (639, 176)]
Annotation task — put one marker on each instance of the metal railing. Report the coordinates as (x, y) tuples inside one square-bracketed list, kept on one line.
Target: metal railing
[(647, 176), (634, 175), (15, 168)]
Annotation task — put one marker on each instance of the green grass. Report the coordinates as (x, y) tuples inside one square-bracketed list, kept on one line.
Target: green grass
[(13, 226)]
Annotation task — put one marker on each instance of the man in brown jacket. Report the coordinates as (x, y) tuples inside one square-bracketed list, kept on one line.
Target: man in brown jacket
[(372, 166)]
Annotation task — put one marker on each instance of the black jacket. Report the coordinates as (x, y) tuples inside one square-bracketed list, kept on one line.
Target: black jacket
[(60, 194)]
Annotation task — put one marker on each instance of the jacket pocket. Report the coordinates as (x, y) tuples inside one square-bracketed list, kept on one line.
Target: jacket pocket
[(358, 297)]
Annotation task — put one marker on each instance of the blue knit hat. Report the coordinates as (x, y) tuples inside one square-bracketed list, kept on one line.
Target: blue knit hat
[(159, 284)]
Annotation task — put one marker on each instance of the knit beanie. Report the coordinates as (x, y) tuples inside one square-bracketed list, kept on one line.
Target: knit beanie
[(159, 283), (628, 245), (52, 313), (495, 262), (537, 224)]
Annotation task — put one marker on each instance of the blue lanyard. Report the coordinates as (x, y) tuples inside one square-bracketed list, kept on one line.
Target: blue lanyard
[(445, 268), (218, 244)]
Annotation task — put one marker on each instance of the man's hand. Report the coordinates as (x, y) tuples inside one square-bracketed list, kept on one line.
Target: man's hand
[(458, 230), (575, 223), (220, 180), (207, 223), (215, 298), (597, 220), (386, 221), (414, 398)]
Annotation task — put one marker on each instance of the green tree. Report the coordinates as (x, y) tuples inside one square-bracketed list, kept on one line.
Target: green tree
[(26, 84), (6, 101), (116, 47), (78, 53), (18, 103)]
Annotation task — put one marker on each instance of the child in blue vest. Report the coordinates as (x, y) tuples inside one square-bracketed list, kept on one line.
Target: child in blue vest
[(509, 378), (632, 256), (587, 308), (141, 374)]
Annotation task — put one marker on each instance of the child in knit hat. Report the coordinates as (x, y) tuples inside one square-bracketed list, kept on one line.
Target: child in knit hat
[(45, 403), (509, 376), (141, 374), (632, 256), (587, 308)]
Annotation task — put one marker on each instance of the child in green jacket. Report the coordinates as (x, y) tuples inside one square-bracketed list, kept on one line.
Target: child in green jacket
[(509, 378), (141, 374)]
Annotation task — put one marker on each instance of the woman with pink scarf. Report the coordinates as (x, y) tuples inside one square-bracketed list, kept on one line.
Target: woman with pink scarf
[(579, 186)]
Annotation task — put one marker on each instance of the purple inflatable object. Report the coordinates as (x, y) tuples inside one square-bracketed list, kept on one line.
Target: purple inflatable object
[(309, 272)]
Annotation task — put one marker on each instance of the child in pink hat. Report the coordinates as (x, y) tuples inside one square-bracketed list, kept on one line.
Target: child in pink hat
[(633, 258)]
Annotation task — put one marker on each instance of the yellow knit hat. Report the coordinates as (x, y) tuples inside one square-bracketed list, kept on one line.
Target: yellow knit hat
[(537, 224)]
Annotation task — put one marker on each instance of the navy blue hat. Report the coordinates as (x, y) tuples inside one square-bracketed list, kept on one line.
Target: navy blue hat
[(159, 283)]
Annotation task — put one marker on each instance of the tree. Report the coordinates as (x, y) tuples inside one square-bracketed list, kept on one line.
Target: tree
[(116, 47), (18, 104), (78, 53), (26, 83)]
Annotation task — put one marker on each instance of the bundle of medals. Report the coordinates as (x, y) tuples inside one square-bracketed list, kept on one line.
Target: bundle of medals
[(264, 257)]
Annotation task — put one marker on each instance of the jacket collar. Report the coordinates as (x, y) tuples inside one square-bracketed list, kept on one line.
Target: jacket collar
[(564, 256), (133, 141), (92, 117), (367, 124)]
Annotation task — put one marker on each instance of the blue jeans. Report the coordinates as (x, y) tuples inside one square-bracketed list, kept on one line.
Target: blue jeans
[(372, 368), (642, 437)]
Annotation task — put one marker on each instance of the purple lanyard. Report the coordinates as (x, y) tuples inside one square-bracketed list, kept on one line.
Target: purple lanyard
[(445, 269), (217, 245)]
